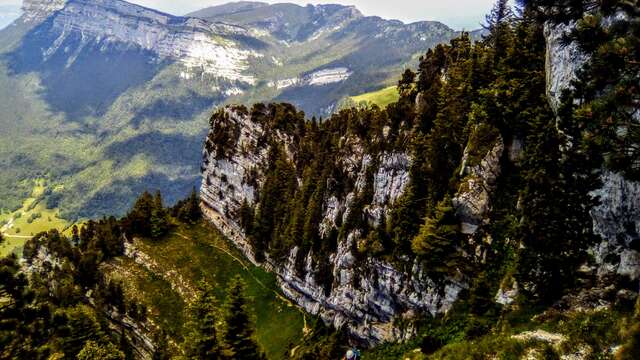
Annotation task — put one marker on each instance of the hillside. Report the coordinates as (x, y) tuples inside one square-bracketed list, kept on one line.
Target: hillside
[(382, 97), (163, 275), (481, 190), (143, 288), (490, 211), (96, 111)]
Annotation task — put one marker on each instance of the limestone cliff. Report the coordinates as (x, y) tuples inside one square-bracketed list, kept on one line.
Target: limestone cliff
[(368, 294), (375, 297), (616, 220)]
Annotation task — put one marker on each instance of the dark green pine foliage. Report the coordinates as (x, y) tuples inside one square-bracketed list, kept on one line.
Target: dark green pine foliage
[(148, 217), (278, 189), (607, 92), (439, 240), (555, 227), (498, 23), (201, 339), (161, 351), (23, 326), (239, 334), (159, 220), (188, 210)]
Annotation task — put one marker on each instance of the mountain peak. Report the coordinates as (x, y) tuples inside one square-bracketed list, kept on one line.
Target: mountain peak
[(38, 10), (286, 21)]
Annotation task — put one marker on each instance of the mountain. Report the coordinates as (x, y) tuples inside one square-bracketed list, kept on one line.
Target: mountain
[(490, 211), (105, 98), (460, 200)]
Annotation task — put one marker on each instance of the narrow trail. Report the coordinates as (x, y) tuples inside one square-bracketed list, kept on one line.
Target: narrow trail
[(17, 236), (305, 328)]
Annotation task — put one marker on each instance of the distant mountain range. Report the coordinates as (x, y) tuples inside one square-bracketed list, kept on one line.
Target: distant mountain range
[(107, 99)]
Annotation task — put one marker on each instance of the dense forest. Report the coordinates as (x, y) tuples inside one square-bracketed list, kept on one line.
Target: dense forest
[(464, 100), (70, 309)]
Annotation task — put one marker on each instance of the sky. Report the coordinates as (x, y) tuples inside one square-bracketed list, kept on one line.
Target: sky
[(458, 14)]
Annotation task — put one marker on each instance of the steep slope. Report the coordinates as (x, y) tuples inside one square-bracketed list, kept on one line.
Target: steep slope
[(106, 98), (373, 222)]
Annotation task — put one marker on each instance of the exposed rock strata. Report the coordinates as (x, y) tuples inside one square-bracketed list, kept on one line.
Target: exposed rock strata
[(367, 294)]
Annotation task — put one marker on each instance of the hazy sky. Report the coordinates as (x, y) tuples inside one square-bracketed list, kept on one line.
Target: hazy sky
[(467, 14)]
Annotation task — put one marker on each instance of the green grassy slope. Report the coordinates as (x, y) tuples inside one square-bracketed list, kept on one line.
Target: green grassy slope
[(31, 218), (167, 278), (522, 334), (382, 97)]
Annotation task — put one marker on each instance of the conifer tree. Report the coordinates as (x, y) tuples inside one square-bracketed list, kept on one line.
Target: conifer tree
[(201, 339), (188, 210), (406, 83), (239, 334), (555, 227), (438, 241), (96, 351), (158, 220), (75, 237), (498, 24)]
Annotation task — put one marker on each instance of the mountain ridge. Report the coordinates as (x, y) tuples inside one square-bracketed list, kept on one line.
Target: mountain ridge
[(110, 83)]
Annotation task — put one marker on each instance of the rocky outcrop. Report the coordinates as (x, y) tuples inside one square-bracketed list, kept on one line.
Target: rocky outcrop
[(472, 201), (201, 46), (38, 10), (367, 294), (137, 334), (562, 62), (617, 221), (617, 218)]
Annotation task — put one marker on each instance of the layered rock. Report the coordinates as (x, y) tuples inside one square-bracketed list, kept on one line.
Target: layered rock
[(472, 201), (38, 10), (197, 44), (367, 294), (617, 218)]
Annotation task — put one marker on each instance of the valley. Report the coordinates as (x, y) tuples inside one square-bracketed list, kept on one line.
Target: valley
[(107, 115), (257, 181), (33, 217)]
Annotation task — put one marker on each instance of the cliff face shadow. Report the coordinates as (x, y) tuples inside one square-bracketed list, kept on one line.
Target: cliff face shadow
[(81, 77)]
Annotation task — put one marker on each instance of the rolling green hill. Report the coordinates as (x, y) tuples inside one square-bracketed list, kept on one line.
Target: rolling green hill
[(382, 97)]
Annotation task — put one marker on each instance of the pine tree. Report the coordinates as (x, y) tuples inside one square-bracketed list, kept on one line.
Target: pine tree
[(239, 334), (188, 210), (555, 227), (75, 237), (137, 222), (159, 219), (201, 340), (438, 241), (95, 351), (406, 83), (498, 24)]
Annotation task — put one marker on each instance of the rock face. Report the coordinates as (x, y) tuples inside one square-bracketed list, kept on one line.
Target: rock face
[(472, 201), (562, 62), (366, 294), (194, 42), (38, 10), (617, 218)]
